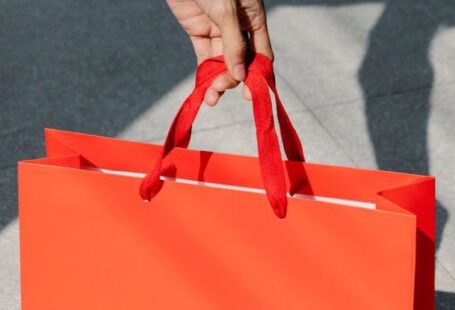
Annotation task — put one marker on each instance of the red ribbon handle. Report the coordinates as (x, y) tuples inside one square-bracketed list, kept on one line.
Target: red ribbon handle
[(260, 77)]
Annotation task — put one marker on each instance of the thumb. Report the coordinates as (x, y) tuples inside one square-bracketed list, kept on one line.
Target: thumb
[(234, 44)]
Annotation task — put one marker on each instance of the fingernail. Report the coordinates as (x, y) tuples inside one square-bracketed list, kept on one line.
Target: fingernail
[(239, 72)]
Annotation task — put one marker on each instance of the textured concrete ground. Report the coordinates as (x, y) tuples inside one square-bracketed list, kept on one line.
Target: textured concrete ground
[(368, 84)]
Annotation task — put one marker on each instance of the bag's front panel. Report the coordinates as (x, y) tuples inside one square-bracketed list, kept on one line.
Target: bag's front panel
[(89, 242)]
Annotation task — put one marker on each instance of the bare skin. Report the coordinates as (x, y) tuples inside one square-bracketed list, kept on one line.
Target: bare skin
[(224, 27)]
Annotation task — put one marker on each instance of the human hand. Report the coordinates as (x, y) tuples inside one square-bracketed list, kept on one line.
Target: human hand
[(224, 27)]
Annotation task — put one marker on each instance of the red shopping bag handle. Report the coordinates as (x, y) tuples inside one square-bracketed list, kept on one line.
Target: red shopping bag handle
[(260, 76)]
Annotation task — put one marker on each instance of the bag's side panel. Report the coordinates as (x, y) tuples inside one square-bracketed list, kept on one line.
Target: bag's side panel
[(89, 242), (419, 198), (36, 239)]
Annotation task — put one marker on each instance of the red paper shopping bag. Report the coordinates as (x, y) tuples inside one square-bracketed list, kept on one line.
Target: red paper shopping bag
[(346, 238)]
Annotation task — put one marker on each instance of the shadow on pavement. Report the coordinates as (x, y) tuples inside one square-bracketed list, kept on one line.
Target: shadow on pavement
[(397, 65), (89, 66), (397, 78), (445, 300)]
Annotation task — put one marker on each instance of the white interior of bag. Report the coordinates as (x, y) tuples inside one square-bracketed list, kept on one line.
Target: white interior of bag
[(345, 202)]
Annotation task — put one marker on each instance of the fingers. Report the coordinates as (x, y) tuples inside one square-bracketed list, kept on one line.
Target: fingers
[(225, 16), (247, 93), (231, 17), (202, 48), (218, 87), (211, 97), (260, 41)]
